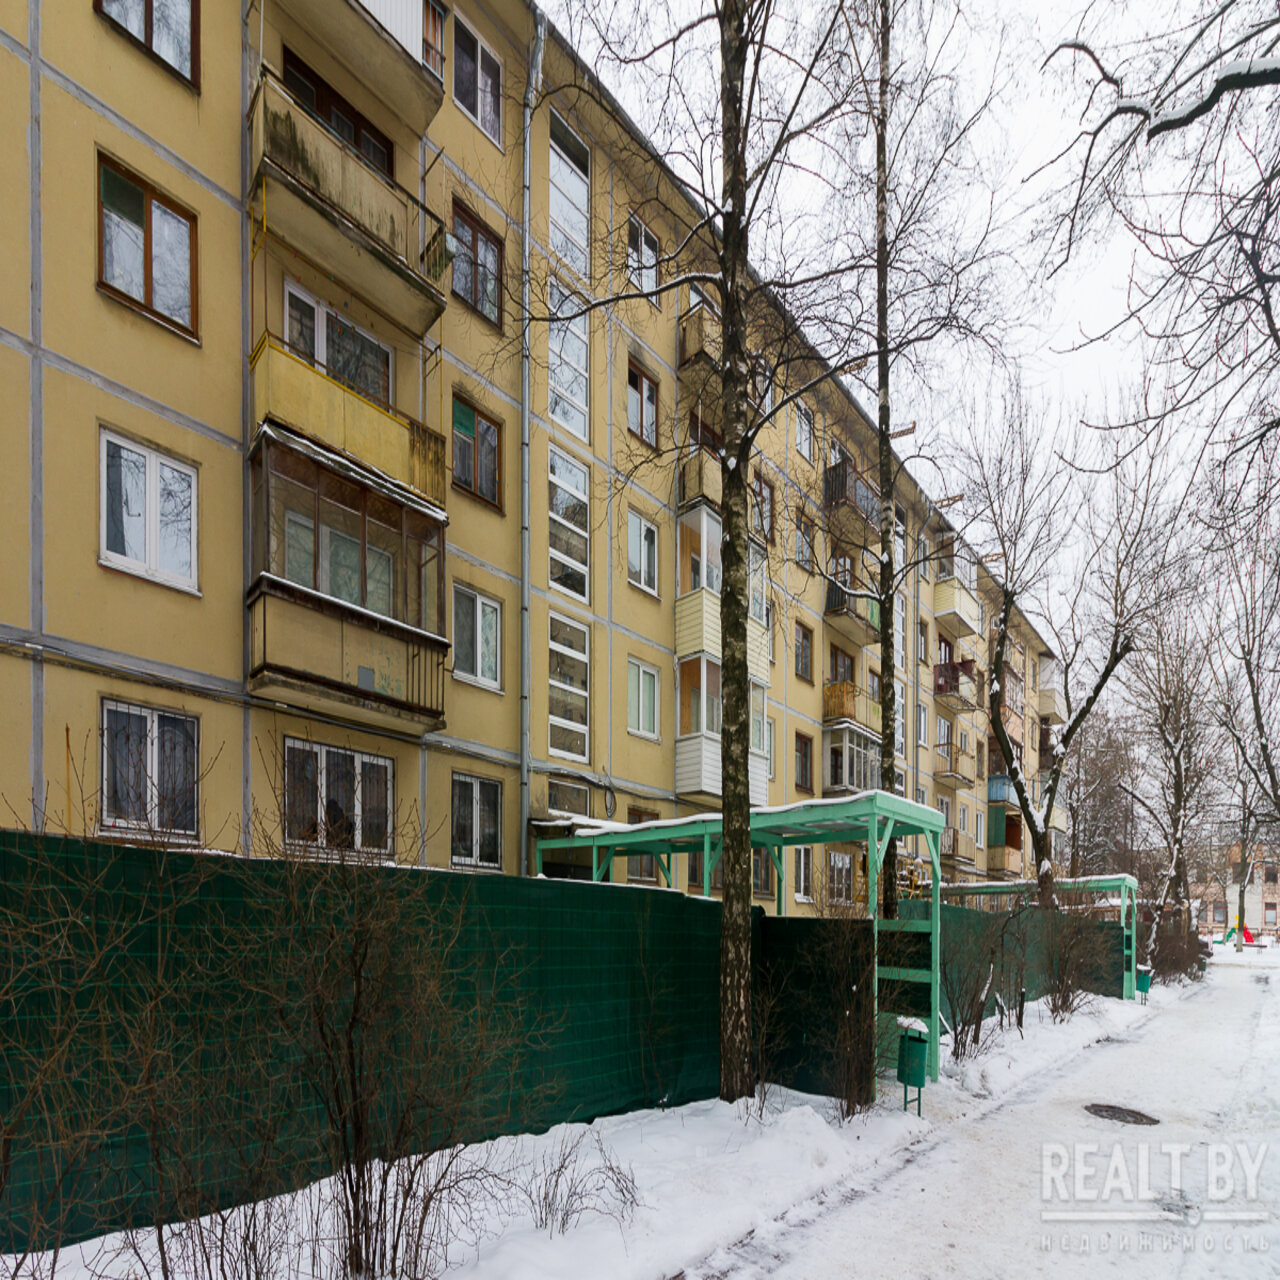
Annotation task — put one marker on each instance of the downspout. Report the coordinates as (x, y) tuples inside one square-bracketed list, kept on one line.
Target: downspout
[(533, 83)]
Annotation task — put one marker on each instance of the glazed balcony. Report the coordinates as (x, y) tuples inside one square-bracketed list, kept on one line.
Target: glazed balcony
[(317, 193), (842, 700), (387, 63), (698, 631), (323, 656), (292, 390), (955, 606), (854, 614), (955, 767), (1052, 705), (955, 685)]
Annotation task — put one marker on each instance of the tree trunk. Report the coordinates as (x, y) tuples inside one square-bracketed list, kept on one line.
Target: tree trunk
[(1244, 884), (888, 685), (735, 929)]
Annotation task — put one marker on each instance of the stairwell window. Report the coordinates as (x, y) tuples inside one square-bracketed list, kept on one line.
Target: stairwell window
[(477, 637), (335, 798), (568, 397), (167, 29), (477, 455), (146, 247), (569, 517), (477, 80), (149, 770), (570, 681), (570, 176), (148, 513), (333, 344), (476, 823)]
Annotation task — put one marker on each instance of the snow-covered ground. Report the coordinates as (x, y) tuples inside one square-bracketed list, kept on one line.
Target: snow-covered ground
[(961, 1191)]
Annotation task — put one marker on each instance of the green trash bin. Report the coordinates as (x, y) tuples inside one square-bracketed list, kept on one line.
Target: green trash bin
[(913, 1054), (1144, 983)]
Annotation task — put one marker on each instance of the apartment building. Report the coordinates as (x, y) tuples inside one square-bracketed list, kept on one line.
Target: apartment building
[(318, 552)]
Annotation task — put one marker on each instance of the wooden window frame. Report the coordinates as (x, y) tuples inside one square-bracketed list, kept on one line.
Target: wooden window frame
[(327, 99), (758, 486), (804, 643), (193, 80), (807, 739), (806, 540), (479, 228), (482, 47), (643, 375), (650, 291), (472, 490), (153, 195), (762, 886), (804, 412)]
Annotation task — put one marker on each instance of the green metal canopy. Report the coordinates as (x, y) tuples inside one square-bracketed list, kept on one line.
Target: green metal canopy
[(871, 817)]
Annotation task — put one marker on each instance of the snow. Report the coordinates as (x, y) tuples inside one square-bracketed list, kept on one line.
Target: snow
[(712, 1175)]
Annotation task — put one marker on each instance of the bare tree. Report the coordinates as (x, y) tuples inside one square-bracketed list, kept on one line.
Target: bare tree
[(1179, 144), (1036, 517)]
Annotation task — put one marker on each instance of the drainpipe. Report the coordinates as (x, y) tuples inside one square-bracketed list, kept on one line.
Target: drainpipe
[(533, 83)]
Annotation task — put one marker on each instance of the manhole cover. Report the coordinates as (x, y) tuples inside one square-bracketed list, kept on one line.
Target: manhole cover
[(1122, 1115)]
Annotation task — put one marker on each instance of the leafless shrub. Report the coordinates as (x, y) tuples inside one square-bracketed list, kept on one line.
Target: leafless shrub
[(1075, 953), (566, 1182)]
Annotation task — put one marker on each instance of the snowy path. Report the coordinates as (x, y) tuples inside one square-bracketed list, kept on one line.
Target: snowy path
[(967, 1201)]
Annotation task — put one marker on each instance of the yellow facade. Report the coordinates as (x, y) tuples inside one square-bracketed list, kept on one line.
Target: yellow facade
[(297, 636)]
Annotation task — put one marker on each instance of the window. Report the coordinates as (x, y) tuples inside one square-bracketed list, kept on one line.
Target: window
[(570, 172), (567, 395), (642, 698), (770, 734), (923, 555), (477, 455), (804, 762), (922, 724), (1268, 875), (900, 718), (476, 839), (477, 80), (756, 583), (964, 818), (757, 720), (804, 873), (353, 544), (642, 552), (840, 877), (642, 255), (149, 778), (1220, 913), (331, 342), (699, 696), (873, 686), (642, 405), (762, 507), (699, 550), (1035, 672), (337, 799), (477, 637), (170, 29), (899, 783), (433, 39), (900, 631), (804, 652), (944, 732), (762, 386), (1269, 914), (337, 114), (922, 642), (642, 866), (804, 542), (569, 531), (900, 536), (842, 665), (147, 513), (804, 431), (570, 673), (146, 247), (770, 629), (979, 828), (761, 872), (477, 265), (568, 797)]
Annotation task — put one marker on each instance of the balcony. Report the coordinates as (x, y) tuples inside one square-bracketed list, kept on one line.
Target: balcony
[(1053, 705), (955, 767), (291, 390), (846, 491), (955, 607), (322, 656), (957, 846), (851, 760), (854, 614), (385, 62), (318, 193), (698, 776), (700, 338), (955, 685), (1005, 861), (1000, 791), (701, 479), (698, 631), (842, 700)]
